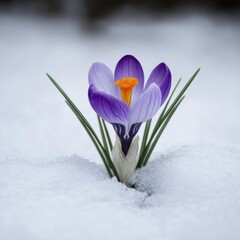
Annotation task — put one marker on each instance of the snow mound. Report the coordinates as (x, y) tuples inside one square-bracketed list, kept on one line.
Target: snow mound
[(190, 193), (193, 173)]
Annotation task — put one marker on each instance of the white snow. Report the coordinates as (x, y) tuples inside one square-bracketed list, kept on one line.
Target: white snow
[(191, 188), (190, 193)]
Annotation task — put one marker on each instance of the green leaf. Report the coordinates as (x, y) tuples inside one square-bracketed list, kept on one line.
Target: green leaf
[(69, 100), (164, 115), (181, 93), (143, 151), (93, 140), (100, 148), (108, 136), (107, 154), (150, 150), (145, 136), (103, 135), (159, 121), (149, 144), (84, 120)]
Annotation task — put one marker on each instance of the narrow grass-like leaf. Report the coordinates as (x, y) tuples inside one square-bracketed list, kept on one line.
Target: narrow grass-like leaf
[(93, 140), (150, 150), (76, 109), (164, 109), (105, 157), (107, 154), (145, 136), (166, 112), (107, 134), (169, 99), (158, 123), (148, 145), (103, 135), (103, 152), (180, 94), (72, 104), (106, 148)]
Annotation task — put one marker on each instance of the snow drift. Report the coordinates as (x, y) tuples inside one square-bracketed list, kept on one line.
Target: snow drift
[(190, 193)]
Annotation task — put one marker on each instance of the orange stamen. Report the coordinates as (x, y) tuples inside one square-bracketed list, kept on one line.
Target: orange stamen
[(126, 86)]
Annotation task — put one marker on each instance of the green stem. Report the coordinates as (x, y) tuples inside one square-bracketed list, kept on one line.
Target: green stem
[(103, 135), (145, 136), (107, 134), (106, 149)]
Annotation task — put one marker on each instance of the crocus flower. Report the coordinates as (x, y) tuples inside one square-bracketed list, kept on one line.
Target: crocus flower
[(123, 100)]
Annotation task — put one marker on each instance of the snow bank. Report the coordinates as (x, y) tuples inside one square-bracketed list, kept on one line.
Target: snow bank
[(190, 193)]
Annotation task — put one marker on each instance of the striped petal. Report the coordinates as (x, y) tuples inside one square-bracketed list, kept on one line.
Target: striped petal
[(102, 78), (108, 107), (147, 105), (161, 76), (129, 66)]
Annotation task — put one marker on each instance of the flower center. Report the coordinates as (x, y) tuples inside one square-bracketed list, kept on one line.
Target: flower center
[(126, 86)]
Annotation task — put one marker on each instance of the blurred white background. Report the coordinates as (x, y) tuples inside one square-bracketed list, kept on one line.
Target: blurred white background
[(36, 122)]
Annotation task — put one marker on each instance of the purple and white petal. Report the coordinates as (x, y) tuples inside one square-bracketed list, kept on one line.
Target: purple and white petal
[(129, 66), (102, 78), (161, 76), (147, 105), (108, 107)]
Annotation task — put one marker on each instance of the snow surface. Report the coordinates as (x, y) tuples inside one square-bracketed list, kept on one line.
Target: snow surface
[(190, 193), (191, 188)]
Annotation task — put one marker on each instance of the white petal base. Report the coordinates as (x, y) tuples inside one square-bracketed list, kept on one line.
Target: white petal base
[(125, 165)]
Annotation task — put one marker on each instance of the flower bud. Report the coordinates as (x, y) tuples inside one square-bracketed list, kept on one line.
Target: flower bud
[(125, 165)]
